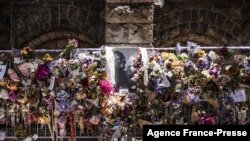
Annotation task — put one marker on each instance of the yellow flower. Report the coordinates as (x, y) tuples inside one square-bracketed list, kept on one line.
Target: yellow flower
[(24, 52), (201, 53), (47, 57)]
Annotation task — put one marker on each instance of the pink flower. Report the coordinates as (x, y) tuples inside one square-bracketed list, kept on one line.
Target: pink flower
[(106, 87)]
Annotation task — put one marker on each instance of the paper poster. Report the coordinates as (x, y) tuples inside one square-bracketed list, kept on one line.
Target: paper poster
[(239, 95), (2, 71), (17, 60), (124, 58), (120, 69)]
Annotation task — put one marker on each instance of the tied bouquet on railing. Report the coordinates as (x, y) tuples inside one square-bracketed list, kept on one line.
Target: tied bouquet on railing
[(191, 87)]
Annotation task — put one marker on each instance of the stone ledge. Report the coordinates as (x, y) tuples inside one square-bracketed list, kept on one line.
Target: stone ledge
[(126, 14)]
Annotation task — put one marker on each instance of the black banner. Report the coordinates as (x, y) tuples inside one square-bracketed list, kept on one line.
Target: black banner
[(162, 132)]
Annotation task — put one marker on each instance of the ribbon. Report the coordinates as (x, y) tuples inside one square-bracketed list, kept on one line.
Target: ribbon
[(110, 67), (72, 128), (144, 56)]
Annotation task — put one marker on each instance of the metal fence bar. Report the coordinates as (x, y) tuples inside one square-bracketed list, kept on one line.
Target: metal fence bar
[(158, 48)]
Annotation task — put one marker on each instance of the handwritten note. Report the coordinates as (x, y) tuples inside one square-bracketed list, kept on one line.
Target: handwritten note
[(239, 95), (52, 83)]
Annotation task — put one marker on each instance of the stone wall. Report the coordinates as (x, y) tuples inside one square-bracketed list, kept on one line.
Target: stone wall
[(128, 23), (222, 23), (42, 22), (49, 23)]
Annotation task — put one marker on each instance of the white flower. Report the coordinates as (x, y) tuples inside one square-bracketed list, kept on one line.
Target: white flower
[(2, 136), (27, 139), (35, 137), (169, 74)]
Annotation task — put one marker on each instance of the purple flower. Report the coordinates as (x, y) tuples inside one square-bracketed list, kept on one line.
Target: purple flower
[(223, 50), (43, 72), (154, 86), (12, 96), (64, 106), (214, 71)]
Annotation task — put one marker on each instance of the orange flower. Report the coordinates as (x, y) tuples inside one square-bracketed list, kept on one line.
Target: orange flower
[(26, 50)]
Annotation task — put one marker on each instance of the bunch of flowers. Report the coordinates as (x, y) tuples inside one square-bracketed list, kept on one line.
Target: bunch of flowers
[(27, 53)]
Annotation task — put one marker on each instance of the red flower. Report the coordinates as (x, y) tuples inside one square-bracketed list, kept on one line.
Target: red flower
[(85, 82)]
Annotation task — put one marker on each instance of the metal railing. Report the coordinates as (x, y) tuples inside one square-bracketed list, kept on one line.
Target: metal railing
[(44, 133)]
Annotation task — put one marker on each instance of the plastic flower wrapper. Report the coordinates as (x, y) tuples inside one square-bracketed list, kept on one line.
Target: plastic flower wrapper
[(27, 68), (13, 75), (213, 56)]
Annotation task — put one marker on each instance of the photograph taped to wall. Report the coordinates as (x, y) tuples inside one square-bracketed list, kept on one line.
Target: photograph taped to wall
[(124, 59)]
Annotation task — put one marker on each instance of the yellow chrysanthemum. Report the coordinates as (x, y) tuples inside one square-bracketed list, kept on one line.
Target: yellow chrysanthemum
[(47, 57), (201, 53), (24, 52)]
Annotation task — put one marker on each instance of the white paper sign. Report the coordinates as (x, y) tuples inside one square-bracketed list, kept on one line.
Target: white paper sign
[(52, 83), (2, 71), (123, 92), (17, 60), (165, 83), (239, 95)]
